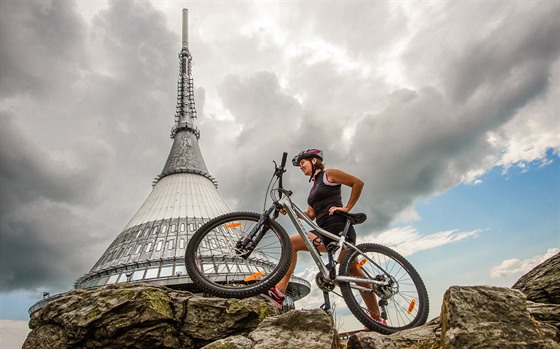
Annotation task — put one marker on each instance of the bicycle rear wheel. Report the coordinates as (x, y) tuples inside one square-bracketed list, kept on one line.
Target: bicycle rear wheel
[(217, 268), (403, 300)]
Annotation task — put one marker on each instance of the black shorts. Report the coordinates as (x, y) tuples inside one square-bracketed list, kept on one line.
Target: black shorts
[(335, 228)]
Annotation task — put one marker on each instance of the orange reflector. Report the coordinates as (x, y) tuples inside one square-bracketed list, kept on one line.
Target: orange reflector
[(254, 276), (233, 225), (361, 264), (411, 306)]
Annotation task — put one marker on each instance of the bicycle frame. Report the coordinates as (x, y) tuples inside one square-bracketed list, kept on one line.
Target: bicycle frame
[(296, 215)]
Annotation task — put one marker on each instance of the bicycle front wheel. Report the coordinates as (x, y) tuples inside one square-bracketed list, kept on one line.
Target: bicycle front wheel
[(215, 264), (401, 296)]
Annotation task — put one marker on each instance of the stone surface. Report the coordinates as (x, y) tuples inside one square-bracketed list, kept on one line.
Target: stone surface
[(489, 317), (215, 318), (233, 342), (109, 317), (310, 329), (543, 312), (141, 316), (426, 336), (542, 283)]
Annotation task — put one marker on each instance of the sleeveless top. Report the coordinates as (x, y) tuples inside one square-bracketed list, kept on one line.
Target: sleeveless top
[(324, 195)]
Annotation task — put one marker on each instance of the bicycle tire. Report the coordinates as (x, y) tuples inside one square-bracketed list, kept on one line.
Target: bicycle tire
[(408, 305), (216, 268)]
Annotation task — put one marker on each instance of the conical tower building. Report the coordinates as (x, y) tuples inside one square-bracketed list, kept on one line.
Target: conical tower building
[(151, 247)]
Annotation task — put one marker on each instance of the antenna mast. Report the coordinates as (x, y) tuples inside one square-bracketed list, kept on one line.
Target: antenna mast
[(185, 111), (185, 28)]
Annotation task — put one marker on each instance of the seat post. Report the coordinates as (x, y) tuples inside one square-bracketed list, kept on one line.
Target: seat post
[(346, 227)]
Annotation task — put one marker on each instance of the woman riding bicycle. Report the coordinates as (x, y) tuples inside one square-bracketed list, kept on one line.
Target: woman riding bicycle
[(324, 200)]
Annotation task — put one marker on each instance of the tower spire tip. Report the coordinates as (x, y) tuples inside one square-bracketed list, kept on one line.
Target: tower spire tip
[(185, 42)]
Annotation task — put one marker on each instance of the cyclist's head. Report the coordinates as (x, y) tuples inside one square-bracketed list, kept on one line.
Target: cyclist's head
[(307, 154), (310, 154)]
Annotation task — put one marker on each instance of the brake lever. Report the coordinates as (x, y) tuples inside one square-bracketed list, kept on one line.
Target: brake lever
[(278, 171)]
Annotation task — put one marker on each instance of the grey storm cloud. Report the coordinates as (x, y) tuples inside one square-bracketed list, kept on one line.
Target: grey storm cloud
[(88, 104), (97, 91), (40, 43)]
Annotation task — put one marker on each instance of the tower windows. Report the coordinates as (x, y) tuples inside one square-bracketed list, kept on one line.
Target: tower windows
[(138, 275), (151, 273), (166, 270), (138, 248), (148, 247), (120, 253), (113, 279), (180, 269)]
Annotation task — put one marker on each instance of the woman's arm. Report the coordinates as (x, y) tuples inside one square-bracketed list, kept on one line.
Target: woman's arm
[(341, 177), (310, 212)]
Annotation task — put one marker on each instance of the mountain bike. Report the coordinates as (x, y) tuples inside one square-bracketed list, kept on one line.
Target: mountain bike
[(243, 254)]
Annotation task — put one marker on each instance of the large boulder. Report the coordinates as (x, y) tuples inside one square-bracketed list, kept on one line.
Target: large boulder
[(490, 317), (310, 329), (108, 317), (141, 316), (542, 283)]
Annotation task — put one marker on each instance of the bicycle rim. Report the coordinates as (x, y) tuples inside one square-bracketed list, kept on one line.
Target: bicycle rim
[(216, 267), (405, 297)]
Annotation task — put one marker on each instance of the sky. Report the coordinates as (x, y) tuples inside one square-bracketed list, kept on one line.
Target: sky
[(448, 111)]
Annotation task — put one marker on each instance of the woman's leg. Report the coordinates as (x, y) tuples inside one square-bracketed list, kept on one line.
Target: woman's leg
[(297, 245), (369, 298)]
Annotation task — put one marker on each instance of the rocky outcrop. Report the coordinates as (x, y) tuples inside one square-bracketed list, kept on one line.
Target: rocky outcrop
[(487, 317), (541, 284), (490, 317), (142, 316)]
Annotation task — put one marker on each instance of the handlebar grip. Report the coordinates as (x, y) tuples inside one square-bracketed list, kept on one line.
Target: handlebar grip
[(281, 172), (284, 157)]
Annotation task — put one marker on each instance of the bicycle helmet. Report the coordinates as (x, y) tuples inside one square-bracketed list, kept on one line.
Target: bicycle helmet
[(308, 154)]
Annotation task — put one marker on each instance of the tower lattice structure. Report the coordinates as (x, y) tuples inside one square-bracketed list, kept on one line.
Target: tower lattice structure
[(151, 247)]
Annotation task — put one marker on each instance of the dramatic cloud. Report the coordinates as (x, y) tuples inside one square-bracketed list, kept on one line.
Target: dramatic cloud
[(407, 240), (81, 113), (413, 99)]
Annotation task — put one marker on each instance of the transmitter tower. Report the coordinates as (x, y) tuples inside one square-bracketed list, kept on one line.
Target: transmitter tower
[(151, 247)]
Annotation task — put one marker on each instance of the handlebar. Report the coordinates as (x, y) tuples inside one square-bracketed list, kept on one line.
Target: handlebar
[(280, 171)]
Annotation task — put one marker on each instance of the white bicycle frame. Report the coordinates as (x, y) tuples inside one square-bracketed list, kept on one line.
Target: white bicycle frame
[(296, 215)]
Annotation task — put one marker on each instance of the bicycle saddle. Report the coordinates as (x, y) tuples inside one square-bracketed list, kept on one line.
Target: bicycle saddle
[(355, 218)]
